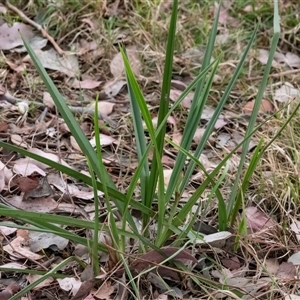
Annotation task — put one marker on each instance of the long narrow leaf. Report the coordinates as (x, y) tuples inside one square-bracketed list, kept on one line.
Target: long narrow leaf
[(255, 111), (164, 102), (67, 115), (218, 110)]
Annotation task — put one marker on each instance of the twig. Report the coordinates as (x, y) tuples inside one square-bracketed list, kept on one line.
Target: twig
[(35, 25), (276, 75)]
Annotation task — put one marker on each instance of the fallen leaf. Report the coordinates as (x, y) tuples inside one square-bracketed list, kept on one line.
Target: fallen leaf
[(18, 248), (167, 161), (36, 42), (104, 107), (3, 127), (231, 263), (215, 239), (84, 84), (224, 16), (45, 283), (28, 169), (117, 66), (272, 266), (8, 230), (69, 284), (40, 205), (167, 176), (85, 46), (10, 35), (14, 265), (9, 291), (286, 93), (25, 183), (153, 257), (287, 270), (74, 191), (265, 107), (113, 88), (292, 60), (7, 172), (186, 102), (43, 240), (47, 155), (18, 141), (104, 291), (295, 227), (48, 101), (105, 140), (41, 191), (50, 59), (198, 135), (258, 220), (263, 56), (295, 259)]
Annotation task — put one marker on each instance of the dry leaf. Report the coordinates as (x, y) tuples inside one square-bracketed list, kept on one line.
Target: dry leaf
[(25, 183), (45, 283), (84, 84), (265, 107), (10, 35), (43, 240), (112, 88), (3, 127), (104, 291), (286, 93), (18, 248), (50, 59), (295, 227), (27, 169), (18, 141), (41, 191), (186, 102), (105, 140), (9, 291), (48, 101), (295, 259), (104, 107), (40, 205), (117, 65), (69, 284), (153, 257), (7, 172), (272, 265), (257, 220), (74, 144), (286, 271)]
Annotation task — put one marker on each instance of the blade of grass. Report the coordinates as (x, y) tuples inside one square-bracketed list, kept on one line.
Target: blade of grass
[(116, 237), (68, 116), (218, 110), (164, 103), (250, 127), (196, 110)]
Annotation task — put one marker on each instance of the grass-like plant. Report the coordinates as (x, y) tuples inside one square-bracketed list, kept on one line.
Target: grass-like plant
[(172, 217)]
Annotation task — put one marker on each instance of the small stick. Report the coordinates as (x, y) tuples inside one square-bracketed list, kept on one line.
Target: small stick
[(35, 25)]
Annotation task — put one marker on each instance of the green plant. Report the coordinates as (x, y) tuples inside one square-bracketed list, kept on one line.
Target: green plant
[(170, 218)]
